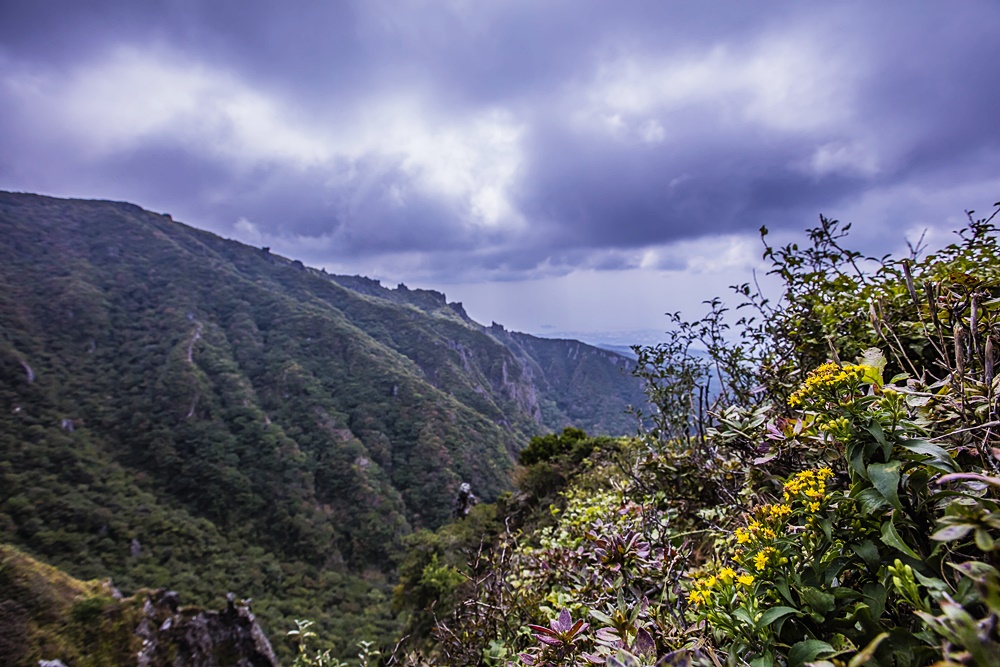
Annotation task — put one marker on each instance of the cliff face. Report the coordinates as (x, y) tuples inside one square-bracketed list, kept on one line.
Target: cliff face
[(179, 637)]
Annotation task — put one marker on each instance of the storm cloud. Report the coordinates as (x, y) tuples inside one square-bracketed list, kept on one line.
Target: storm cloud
[(468, 141)]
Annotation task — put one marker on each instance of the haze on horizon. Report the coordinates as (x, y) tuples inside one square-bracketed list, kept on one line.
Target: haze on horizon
[(568, 166)]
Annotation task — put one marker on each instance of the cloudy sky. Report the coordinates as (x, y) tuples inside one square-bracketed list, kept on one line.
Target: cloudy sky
[(558, 165)]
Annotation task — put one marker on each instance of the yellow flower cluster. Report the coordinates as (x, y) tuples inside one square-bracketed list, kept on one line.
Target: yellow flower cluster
[(767, 522), (827, 381), (765, 556), (808, 486), (701, 592), (779, 511)]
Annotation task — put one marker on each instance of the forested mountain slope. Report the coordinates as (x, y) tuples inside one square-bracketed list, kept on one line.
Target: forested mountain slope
[(183, 410)]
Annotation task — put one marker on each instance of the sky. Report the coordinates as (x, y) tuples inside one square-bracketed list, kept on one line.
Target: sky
[(559, 166)]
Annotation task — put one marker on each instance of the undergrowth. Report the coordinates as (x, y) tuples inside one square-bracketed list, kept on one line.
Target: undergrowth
[(819, 489)]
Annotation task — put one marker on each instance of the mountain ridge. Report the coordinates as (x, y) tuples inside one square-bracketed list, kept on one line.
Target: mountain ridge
[(159, 381)]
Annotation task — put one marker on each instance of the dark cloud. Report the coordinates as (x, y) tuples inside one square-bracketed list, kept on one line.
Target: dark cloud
[(500, 138), (594, 195)]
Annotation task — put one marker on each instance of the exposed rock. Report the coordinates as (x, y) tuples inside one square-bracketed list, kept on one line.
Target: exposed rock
[(178, 636), (460, 310)]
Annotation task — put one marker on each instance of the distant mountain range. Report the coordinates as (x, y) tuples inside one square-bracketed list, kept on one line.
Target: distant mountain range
[(182, 410)]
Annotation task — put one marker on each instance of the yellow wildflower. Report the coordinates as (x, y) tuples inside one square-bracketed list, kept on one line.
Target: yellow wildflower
[(726, 575), (745, 579), (827, 381), (809, 485), (760, 560), (742, 535), (778, 511)]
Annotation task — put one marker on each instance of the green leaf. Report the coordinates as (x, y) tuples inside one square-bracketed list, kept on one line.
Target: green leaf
[(885, 477), (935, 453), (786, 592), (868, 553), (984, 540), (876, 430), (743, 615), (868, 652), (892, 539), (826, 525), (875, 594), (987, 581), (806, 651), (602, 617), (931, 583), (773, 614), (874, 362), (856, 459), (953, 532), (817, 600), (870, 500), (830, 570)]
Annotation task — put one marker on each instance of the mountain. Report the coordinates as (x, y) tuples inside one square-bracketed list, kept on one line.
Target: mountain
[(185, 411)]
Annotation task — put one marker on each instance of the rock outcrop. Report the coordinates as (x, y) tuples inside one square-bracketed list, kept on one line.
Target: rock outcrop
[(176, 636)]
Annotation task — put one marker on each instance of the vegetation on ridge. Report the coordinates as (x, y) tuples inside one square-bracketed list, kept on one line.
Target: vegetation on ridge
[(835, 505), (46, 614)]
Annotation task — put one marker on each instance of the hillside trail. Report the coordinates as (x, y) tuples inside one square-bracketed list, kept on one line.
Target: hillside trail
[(194, 338), (190, 359)]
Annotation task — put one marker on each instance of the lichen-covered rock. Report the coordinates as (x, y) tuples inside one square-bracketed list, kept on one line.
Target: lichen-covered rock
[(178, 636)]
